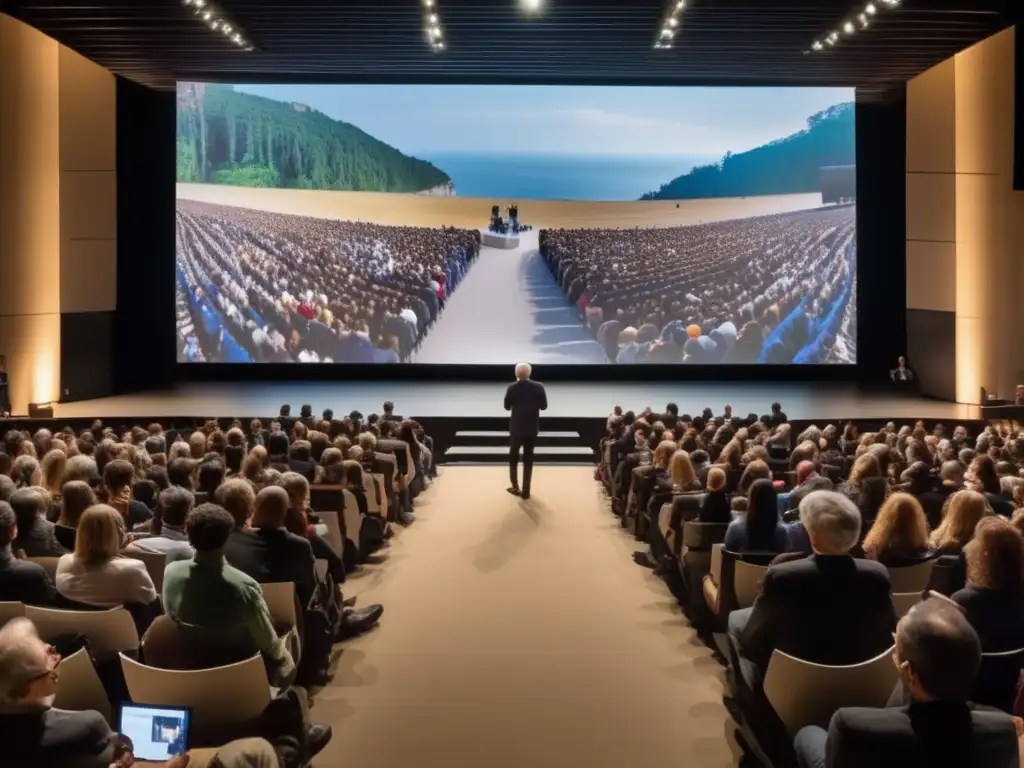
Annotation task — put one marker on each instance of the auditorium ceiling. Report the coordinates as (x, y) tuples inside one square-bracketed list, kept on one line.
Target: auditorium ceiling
[(734, 42)]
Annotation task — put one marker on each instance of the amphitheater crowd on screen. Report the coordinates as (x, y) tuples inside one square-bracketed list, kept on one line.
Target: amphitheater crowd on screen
[(254, 286)]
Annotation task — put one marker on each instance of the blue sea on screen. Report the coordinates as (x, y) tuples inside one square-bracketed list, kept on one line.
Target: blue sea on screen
[(516, 176)]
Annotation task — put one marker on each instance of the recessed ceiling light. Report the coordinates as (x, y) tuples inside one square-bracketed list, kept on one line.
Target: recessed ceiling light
[(531, 5)]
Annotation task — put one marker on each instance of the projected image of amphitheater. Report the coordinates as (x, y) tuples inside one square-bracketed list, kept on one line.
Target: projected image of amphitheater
[(469, 225)]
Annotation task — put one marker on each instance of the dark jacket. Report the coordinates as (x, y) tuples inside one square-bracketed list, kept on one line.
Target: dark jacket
[(824, 609), (933, 502), (922, 735), (39, 540), (273, 556), (997, 615), (525, 399), (716, 508), (24, 582)]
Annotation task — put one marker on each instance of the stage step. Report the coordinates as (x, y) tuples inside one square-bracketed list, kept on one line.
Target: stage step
[(500, 438), (498, 454)]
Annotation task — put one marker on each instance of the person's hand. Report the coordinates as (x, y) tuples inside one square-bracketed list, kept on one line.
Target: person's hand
[(1018, 724)]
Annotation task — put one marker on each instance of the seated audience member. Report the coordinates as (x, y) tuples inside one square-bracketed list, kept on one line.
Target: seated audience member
[(993, 599), (209, 476), (807, 480), (219, 609), (118, 477), (716, 507), (951, 480), (34, 733), (36, 537), (963, 512), (681, 472), (759, 529), (75, 498), (21, 581), (937, 655), (899, 535), (982, 477), (865, 466), (300, 460), (6, 485), (172, 538), (95, 573), (297, 521), (179, 471), (873, 491), (828, 608)]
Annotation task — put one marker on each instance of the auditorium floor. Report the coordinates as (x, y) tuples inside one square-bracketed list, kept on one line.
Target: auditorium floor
[(522, 634)]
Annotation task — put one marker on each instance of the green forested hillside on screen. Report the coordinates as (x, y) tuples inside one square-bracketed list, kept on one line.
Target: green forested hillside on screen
[(226, 137), (787, 166)]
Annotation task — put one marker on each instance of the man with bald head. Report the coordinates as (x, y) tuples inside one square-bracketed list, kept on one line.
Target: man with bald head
[(937, 656), (525, 399)]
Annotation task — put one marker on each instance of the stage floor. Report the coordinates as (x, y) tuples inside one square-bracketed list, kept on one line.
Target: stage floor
[(435, 399)]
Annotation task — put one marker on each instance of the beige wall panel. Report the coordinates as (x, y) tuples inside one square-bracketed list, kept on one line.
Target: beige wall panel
[(984, 106), (972, 355), (931, 207), (87, 114), (31, 344), (88, 205), (29, 170), (931, 276), (980, 238), (931, 120), (88, 276)]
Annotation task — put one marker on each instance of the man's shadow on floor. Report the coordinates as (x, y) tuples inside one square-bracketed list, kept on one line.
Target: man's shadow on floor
[(508, 536)]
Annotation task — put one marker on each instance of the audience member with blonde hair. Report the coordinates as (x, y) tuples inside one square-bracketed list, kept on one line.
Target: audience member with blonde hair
[(96, 573), (963, 512), (26, 472), (54, 463), (715, 508), (993, 597), (899, 534), (684, 478)]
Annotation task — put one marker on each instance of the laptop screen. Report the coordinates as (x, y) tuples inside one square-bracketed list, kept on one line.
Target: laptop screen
[(156, 733)]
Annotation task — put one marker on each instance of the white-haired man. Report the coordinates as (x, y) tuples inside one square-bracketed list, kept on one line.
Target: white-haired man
[(828, 608), (525, 399)]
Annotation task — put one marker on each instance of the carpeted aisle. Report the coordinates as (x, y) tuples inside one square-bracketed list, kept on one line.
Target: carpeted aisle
[(522, 634)]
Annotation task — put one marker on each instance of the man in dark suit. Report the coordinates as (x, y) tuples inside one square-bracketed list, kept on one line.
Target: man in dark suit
[(937, 656), (21, 581), (525, 399), (828, 608)]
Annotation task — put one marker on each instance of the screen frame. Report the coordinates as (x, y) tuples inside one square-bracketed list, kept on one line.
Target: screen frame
[(881, 165), (187, 717)]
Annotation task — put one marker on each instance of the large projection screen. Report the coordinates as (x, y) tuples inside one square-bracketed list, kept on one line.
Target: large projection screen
[(560, 225)]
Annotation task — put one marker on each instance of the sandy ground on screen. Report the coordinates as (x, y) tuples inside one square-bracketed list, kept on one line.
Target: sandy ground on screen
[(474, 212)]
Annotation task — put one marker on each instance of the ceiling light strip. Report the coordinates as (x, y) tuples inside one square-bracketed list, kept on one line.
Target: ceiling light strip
[(670, 24), (432, 26), (861, 18), (217, 21)]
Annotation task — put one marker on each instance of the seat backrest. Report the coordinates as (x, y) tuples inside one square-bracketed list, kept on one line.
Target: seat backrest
[(944, 574), (716, 563), (80, 687), (687, 505), (49, 565), (410, 465), (902, 602), (221, 698), (802, 693), (703, 535), (911, 578), (335, 535), (109, 631), (353, 520), (747, 578), (998, 676), (10, 611), (326, 498), (280, 597), (370, 489), (155, 562)]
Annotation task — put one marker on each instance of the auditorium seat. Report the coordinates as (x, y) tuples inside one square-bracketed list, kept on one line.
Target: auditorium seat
[(80, 687), (155, 562), (803, 693), (998, 679), (911, 578), (226, 702), (10, 610), (109, 631), (49, 565), (720, 587), (902, 602)]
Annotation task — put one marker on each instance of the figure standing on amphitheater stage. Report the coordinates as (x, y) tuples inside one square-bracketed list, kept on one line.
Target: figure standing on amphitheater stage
[(525, 399)]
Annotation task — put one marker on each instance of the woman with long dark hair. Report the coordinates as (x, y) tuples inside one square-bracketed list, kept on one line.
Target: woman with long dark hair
[(759, 530)]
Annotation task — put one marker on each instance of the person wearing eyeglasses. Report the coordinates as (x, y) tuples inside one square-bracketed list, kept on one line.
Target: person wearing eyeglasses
[(35, 733)]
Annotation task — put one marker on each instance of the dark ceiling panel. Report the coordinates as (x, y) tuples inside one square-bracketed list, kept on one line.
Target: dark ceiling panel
[(157, 42)]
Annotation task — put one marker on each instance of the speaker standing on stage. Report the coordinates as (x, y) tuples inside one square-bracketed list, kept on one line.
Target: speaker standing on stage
[(525, 399)]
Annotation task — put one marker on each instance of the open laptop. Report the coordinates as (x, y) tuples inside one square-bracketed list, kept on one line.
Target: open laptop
[(156, 733)]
